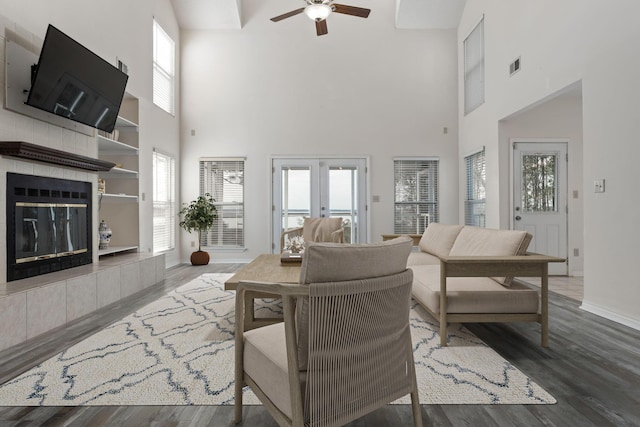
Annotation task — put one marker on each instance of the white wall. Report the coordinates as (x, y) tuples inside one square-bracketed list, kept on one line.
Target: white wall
[(115, 29), (278, 89), (562, 43)]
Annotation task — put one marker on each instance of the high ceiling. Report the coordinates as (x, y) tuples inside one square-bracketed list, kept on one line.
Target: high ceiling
[(227, 14)]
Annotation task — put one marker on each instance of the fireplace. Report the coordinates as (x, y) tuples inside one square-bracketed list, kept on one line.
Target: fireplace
[(48, 225)]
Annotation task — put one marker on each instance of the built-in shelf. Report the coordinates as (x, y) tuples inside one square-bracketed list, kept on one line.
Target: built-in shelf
[(110, 146), (119, 197), (122, 123), (112, 250), (119, 173), (119, 207)]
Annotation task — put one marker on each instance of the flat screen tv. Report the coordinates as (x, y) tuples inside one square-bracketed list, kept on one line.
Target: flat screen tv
[(73, 82)]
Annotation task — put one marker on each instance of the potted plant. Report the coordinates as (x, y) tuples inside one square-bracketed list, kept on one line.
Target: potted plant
[(199, 215)]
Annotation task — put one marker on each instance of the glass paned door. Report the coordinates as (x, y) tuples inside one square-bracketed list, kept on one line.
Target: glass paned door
[(313, 187), (540, 196)]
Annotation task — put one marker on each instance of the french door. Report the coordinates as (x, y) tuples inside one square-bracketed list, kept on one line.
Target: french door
[(319, 187), (540, 197)]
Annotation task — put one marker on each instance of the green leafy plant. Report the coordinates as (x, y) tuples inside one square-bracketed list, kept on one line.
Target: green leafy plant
[(199, 215)]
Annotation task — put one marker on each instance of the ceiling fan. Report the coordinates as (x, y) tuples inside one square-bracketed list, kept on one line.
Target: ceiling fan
[(318, 10)]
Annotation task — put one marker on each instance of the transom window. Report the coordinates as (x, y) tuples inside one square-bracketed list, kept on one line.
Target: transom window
[(474, 68), (164, 54)]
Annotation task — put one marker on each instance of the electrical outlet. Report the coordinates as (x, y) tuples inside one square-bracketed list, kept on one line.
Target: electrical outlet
[(193, 244), (598, 186)]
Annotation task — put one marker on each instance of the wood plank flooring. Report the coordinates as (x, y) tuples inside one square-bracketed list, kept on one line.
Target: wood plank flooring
[(592, 367)]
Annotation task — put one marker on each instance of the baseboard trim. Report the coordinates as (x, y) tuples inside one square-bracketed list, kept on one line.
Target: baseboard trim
[(608, 314)]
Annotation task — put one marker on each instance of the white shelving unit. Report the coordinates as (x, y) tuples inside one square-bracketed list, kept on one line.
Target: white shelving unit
[(118, 206)]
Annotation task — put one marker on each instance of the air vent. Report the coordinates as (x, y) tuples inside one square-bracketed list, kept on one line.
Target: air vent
[(514, 67)]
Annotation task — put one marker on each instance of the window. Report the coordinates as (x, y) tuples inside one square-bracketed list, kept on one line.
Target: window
[(539, 182), (224, 180), (416, 194), (475, 200), (164, 56), (164, 202), (474, 68)]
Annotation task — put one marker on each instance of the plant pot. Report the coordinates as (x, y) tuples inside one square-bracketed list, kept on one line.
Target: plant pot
[(200, 258)]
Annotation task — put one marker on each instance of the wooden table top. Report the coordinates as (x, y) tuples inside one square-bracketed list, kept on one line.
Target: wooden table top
[(265, 268)]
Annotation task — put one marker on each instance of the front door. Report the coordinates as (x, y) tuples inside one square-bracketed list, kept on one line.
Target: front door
[(540, 197), (314, 187)]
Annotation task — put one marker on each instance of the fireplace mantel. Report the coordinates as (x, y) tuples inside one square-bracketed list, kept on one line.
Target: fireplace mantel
[(25, 150)]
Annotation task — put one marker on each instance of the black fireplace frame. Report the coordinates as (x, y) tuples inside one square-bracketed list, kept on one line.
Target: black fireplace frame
[(38, 189)]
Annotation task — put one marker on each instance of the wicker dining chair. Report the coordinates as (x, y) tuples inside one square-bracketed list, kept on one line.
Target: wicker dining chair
[(315, 230), (344, 348)]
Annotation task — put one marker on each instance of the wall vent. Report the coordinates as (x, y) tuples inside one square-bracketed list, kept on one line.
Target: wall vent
[(514, 67)]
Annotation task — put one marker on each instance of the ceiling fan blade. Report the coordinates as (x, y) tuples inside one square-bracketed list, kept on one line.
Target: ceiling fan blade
[(351, 10), (321, 27), (288, 15)]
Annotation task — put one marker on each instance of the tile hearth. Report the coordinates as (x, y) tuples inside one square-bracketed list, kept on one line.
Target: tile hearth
[(30, 307)]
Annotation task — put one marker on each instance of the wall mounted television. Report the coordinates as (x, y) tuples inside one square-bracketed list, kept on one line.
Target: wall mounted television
[(71, 81)]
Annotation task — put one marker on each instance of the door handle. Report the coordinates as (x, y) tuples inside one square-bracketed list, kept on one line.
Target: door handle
[(518, 218)]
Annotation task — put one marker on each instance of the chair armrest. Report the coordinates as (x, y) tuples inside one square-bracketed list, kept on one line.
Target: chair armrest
[(415, 237), (288, 293), (338, 236), (277, 289)]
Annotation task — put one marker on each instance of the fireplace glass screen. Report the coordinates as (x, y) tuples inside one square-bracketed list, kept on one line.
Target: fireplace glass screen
[(48, 230), (49, 225)]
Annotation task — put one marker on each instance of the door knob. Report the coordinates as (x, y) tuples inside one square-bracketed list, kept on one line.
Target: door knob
[(518, 218)]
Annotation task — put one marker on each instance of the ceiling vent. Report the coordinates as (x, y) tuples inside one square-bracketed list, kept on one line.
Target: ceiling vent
[(514, 67)]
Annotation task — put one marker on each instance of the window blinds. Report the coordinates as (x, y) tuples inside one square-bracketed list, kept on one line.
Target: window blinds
[(163, 69), (416, 194), (224, 180), (474, 68), (164, 202), (475, 200)]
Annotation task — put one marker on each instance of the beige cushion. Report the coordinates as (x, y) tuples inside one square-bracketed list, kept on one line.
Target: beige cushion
[(422, 258), (471, 294), (438, 238), (335, 262), (477, 241), (265, 361), (321, 229)]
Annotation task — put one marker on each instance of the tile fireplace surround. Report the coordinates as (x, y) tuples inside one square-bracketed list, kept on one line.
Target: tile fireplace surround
[(32, 306)]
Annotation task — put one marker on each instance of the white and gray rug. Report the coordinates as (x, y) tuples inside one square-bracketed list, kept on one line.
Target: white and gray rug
[(179, 350)]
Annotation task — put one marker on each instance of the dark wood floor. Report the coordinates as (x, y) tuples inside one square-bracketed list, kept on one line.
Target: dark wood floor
[(592, 367)]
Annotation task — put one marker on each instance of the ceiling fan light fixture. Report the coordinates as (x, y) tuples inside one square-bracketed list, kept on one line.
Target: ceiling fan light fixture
[(317, 11)]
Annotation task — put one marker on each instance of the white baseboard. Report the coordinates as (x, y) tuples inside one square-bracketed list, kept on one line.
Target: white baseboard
[(608, 314)]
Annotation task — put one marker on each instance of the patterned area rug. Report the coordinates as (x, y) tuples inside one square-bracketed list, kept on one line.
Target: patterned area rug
[(179, 350)]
